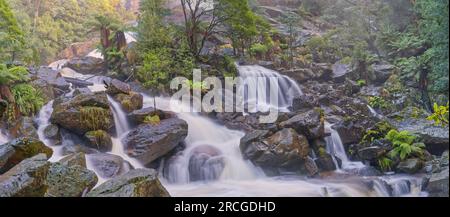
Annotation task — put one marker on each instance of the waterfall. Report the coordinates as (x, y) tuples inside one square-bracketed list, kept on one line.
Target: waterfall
[(43, 121), (336, 149), (256, 78), (212, 151), (122, 128)]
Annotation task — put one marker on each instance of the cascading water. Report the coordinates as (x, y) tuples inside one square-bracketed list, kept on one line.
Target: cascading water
[(122, 128), (256, 78), (206, 139), (43, 121), (374, 112), (337, 150)]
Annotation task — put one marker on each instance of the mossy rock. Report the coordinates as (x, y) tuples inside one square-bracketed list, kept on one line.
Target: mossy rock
[(130, 102), (69, 181), (77, 159), (17, 150), (100, 140), (27, 179)]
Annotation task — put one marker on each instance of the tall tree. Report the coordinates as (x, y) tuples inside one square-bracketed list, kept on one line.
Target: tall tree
[(11, 36)]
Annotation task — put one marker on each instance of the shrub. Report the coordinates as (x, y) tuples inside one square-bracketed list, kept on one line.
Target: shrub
[(27, 98), (259, 49), (440, 115), (404, 144), (12, 75)]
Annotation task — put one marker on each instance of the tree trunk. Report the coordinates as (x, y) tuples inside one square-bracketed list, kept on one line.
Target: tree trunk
[(423, 87)]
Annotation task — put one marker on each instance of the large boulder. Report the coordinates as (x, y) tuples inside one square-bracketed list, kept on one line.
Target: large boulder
[(371, 153), (135, 183), (86, 65), (69, 181), (436, 138), (17, 150), (438, 184), (84, 113), (49, 82), (410, 166), (285, 149), (24, 127), (381, 73), (52, 132), (100, 140), (310, 123), (351, 132), (149, 142), (27, 179), (108, 165)]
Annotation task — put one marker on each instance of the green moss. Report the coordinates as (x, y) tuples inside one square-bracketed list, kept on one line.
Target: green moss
[(153, 120), (95, 118), (377, 132), (322, 152)]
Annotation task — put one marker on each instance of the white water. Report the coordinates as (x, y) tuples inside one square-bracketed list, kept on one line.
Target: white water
[(256, 78), (374, 113), (122, 128), (337, 150), (201, 132)]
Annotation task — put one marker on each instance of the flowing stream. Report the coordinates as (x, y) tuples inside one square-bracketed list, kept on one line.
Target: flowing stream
[(212, 164)]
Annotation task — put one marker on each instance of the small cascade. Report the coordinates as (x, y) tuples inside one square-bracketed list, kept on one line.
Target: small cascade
[(212, 151), (122, 128), (257, 78), (337, 150), (43, 121)]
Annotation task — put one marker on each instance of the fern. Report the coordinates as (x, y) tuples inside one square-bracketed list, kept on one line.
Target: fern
[(404, 145)]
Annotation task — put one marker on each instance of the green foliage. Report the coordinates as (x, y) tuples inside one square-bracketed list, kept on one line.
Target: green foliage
[(377, 132), (259, 49), (153, 120), (11, 36), (385, 163), (361, 83), (378, 102), (323, 49), (156, 68), (404, 144), (440, 115), (28, 99), (12, 75)]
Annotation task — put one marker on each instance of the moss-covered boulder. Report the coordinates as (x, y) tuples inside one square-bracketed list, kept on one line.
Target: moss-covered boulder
[(27, 179), (136, 183), (99, 140), (130, 102), (19, 149), (69, 181)]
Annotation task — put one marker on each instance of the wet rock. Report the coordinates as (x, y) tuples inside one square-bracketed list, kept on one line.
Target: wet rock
[(50, 83), (410, 166), (205, 163), (27, 179), (99, 140), (82, 91), (74, 149), (310, 124), (17, 150), (371, 153), (381, 73), (135, 183), (108, 165), (252, 136), (149, 142), (350, 132), (69, 181), (24, 127), (117, 87), (138, 116), (340, 72), (84, 113), (86, 65), (130, 102), (438, 184), (325, 162), (304, 102), (52, 132), (285, 149), (77, 159), (311, 166), (435, 138)]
